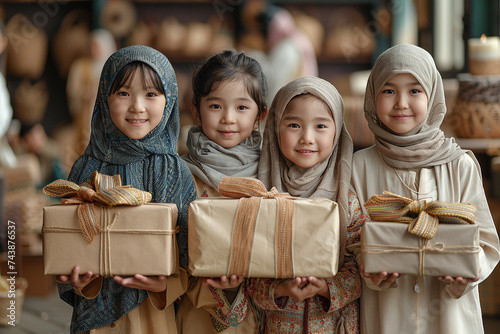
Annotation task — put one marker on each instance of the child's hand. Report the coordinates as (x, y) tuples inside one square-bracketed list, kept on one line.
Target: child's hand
[(301, 288), (150, 283), (458, 280), (317, 286), (79, 281), (289, 287), (224, 282), (383, 279), (458, 284)]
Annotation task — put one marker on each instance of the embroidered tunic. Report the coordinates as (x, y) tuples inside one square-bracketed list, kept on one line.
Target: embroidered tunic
[(317, 314)]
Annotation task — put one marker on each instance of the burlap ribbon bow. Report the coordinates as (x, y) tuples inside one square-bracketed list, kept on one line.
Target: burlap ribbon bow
[(422, 217), (100, 189), (251, 191)]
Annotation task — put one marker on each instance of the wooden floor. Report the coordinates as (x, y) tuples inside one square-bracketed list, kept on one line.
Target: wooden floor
[(50, 315)]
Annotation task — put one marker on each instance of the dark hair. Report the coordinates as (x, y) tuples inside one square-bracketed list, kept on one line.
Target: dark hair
[(149, 77), (230, 65), (3, 56)]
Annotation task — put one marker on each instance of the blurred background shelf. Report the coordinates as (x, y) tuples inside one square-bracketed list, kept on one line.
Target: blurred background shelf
[(347, 37)]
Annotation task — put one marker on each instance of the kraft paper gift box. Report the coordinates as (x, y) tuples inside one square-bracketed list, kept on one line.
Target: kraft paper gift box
[(435, 250), (305, 243), (454, 250), (133, 240), (106, 228)]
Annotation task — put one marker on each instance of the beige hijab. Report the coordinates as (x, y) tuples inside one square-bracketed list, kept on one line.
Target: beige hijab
[(426, 145), (328, 179)]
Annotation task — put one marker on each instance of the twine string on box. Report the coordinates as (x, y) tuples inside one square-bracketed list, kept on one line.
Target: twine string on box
[(424, 248), (105, 265), (251, 191)]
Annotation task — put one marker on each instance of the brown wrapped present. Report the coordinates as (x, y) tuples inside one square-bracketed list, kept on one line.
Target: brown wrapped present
[(109, 232), (133, 240), (268, 235), (410, 241)]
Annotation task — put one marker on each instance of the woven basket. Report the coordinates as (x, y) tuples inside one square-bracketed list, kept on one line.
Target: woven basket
[(27, 49), (476, 119), (477, 110), (5, 301)]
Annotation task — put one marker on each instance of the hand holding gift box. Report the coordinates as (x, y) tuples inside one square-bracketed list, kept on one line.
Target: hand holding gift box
[(420, 246), (256, 233), (108, 229)]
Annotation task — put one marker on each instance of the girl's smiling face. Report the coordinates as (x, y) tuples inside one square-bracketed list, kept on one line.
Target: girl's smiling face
[(228, 114), (135, 109), (306, 131), (402, 103)]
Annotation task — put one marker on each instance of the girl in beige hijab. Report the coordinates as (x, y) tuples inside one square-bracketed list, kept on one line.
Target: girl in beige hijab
[(404, 107), (307, 153)]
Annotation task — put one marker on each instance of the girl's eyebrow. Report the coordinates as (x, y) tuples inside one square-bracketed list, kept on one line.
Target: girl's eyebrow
[(316, 119), (415, 83), (323, 119), (127, 86), (214, 98), (290, 117)]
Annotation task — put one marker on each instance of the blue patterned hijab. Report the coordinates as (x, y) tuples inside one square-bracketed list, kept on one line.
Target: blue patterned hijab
[(151, 164)]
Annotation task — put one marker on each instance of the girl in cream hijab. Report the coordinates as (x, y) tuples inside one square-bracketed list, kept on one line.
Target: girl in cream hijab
[(307, 153), (404, 107)]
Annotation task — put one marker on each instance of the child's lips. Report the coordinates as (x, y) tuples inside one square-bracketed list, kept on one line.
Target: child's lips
[(305, 152), (227, 133), (401, 117), (137, 122)]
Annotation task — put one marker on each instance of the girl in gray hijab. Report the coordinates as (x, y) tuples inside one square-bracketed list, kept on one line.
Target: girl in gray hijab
[(228, 104)]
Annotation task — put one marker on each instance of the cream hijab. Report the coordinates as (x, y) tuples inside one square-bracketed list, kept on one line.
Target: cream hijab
[(328, 179), (426, 145)]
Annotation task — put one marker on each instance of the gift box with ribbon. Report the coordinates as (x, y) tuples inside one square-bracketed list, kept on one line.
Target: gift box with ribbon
[(108, 229), (420, 238), (253, 232)]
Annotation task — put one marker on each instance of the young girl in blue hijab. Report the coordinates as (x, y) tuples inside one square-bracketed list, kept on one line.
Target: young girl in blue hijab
[(135, 127)]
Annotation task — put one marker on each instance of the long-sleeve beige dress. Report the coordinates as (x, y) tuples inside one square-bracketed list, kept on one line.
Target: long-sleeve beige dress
[(425, 304), (207, 310), (155, 314)]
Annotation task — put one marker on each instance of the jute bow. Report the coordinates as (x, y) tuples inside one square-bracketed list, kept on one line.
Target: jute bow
[(251, 192), (422, 217), (100, 189)]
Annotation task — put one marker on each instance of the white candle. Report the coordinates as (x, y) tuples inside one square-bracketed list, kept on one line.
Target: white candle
[(484, 48)]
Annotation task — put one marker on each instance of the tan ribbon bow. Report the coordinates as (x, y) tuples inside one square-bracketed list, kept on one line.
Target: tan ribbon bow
[(251, 191), (422, 217), (100, 189)]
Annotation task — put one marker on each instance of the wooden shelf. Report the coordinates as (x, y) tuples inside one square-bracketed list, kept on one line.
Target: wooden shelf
[(479, 145)]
